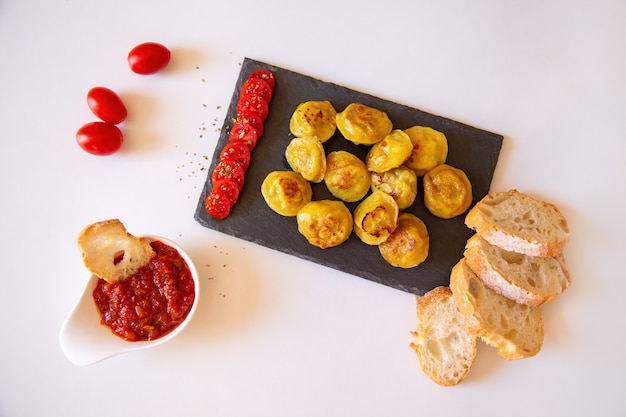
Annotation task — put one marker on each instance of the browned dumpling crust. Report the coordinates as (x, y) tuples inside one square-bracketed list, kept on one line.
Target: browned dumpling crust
[(286, 192), (325, 223), (375, 218), (347, 177), (314, 118), (306, 156), (400, 183), (447, 191), (363, 125), (430, 149), (408, 245), (389, 153)]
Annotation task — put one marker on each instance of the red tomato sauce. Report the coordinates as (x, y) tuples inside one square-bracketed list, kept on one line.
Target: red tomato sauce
[(151, 303)]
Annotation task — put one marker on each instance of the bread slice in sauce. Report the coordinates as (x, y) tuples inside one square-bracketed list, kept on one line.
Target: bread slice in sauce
[(111, 253)]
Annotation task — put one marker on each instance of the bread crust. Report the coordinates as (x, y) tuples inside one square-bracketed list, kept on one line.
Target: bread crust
[(529, 280), (515, 330), (442, 342), (111, 253), (546, 234)]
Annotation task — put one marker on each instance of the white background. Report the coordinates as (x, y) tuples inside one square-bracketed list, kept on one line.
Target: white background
[(275, 335)]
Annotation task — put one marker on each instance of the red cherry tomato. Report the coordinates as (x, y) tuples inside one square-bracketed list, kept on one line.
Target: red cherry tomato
[(106, 105), (148, 58), (238, 152), (265, 75), (245, 133), (229, 170), (253, 103), (256, 86), (100, 138), (251, 118), (228, 189), (217, 205)]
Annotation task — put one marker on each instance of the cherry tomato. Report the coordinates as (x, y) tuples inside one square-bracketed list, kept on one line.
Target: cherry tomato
[(217, 205), (265, 75), (251, 118), (100, 138), (253, 103), (148, 58), (236, 151), (256, 86), (229, 170), (228, 189), (106, 105), (245, 133)]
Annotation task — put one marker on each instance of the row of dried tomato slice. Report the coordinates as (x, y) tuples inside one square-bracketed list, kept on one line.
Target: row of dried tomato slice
[(252, 111)]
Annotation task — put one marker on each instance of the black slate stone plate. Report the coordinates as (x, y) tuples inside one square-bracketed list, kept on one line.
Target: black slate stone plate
[(473, 150)]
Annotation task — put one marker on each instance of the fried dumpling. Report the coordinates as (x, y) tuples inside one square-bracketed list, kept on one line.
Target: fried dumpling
[(447, 191), (400, 183), (314, 118), (391, 152), (408, 245), (430, 149), (363, 125), (286, 192), (325, 223), (347, 177), (307, 157), (375, 218)]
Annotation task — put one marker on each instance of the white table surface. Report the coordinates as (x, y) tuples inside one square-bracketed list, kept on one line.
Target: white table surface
[(275, 335)]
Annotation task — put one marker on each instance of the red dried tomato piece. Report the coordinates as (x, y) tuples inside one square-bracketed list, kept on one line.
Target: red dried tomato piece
[(236, 151), (229, 170), (246, 133), (265, 75), (217, 205), (256, 86), (253, 103), (226, 188)]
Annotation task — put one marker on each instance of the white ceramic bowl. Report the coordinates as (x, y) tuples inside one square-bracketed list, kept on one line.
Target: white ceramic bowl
[(86, 341)]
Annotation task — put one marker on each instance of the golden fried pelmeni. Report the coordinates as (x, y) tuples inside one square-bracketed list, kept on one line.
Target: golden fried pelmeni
[(447, 191), (347, 177), (400, 183), (363, 125), (391, 152), (408, 245), (286, 192), (430, 148), (307, 157), (325, 223), (375, 218), (314, 118)]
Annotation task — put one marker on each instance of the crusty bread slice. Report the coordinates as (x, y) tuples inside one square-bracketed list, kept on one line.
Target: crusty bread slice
[(532, 280), (443, 344), (519, 223), (111, 253), (516, 330)]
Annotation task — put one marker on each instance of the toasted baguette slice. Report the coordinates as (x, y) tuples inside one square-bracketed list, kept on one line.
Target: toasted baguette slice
[(519, 223), (111, 253), (443, 344), (516, 330), (531, 280)]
